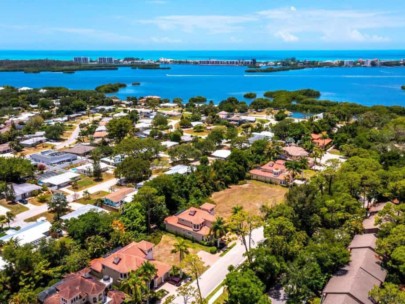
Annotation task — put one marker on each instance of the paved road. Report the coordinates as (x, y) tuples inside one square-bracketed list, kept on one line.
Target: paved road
[(72, 138), (19, 219), (218, 271)]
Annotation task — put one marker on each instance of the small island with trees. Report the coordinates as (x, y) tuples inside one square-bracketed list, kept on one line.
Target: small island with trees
[(110, 87)]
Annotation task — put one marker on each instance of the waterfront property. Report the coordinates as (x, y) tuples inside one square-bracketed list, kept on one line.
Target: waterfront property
[(193, 223), (120, 263)]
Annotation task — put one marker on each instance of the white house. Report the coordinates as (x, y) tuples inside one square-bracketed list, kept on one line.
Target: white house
[(61, 180), (31, 234), (24, 190)]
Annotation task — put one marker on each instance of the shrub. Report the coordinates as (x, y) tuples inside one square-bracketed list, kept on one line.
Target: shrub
[(213, 250)]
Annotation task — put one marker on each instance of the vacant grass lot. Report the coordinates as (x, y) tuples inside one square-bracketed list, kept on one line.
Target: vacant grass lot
[(250, 196)]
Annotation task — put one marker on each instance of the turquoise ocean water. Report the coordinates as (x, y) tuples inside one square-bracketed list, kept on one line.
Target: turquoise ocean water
[(368, 86)]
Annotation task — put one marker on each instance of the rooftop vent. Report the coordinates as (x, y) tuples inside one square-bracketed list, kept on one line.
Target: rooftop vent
[(116, 260), (106, 278), (192, 212)]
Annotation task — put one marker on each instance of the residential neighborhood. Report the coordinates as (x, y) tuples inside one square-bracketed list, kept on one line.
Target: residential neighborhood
[(175, 197)]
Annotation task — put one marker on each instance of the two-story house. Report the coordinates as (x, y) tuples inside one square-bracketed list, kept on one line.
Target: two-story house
[(193, 223), (119, 264), (76, 288), (272, 172)]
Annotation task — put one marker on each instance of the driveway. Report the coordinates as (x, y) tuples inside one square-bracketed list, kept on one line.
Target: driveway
[(35, 210), (214, 276)]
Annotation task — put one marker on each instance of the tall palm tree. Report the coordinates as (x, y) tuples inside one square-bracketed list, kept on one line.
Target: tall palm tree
[(218, 229), (134, 287), (181, 248), (147, 272)]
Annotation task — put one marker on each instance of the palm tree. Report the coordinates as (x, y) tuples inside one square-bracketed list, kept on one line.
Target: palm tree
[(294, 167), (317, 154), (9, 217), (218, 229), (147, 272), (181, 248), (236, 209), (133, 286)]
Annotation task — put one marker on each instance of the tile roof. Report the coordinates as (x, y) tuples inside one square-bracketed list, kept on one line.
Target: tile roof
[(129, 258), (295, 151), (78, 283), (207, 206), (116, 296), (196, 216), (276, 170)]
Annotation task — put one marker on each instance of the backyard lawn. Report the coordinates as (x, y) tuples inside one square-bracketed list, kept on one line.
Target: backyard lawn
[(162, 251), (15, 208), (251, 196), (93, 198)]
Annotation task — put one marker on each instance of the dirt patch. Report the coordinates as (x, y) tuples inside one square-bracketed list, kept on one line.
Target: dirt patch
[(251, 196)]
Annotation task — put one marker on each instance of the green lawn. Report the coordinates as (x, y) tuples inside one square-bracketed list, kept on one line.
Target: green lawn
[(87, 181), (93, 198), (15, 208)]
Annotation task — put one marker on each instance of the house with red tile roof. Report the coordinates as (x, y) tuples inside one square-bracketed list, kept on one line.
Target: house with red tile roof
[(272, 172), (294, 152), (193, 223), (320, 140), (79, 287), (119, 264)]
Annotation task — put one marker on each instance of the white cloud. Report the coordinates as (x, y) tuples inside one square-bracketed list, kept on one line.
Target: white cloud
[(286, 36), (213, 24), (291, 25)]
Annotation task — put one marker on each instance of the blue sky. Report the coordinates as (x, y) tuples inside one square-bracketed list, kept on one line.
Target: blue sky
[(202, 24)]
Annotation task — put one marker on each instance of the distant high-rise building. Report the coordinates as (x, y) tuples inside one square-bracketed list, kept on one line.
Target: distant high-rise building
[(81, 59), (104, 60)]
